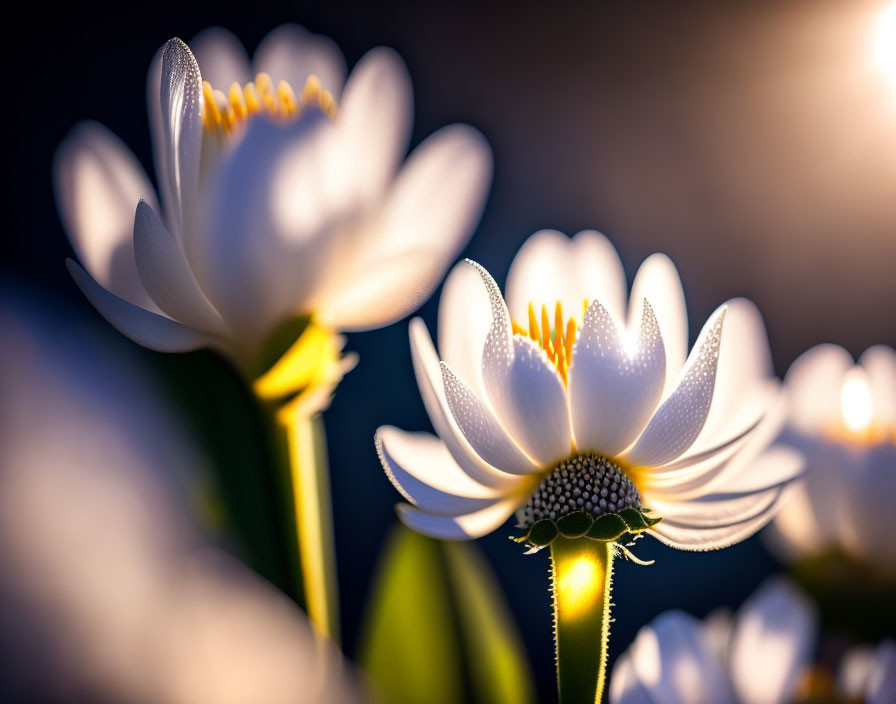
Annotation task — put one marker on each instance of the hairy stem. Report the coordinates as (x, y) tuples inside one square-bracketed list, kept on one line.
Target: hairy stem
[(581, 574)]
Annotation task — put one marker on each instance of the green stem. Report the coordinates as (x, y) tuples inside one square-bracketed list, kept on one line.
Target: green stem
[(581, 578), (314, 519)]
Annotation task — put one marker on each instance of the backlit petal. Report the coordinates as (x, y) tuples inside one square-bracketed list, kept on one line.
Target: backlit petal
[(679, 420), (613, 391), (464, 321), (291, 53), (463, 527), (813, 385), (221, 58)]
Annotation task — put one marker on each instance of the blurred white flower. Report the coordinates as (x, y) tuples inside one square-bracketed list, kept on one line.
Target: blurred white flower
[(758, 658), (279, 198), (598, 411), (869, 674), (843, 418), (761, 656), (102, 597)]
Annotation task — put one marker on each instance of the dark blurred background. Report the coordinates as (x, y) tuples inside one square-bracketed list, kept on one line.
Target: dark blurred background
[(753, 142)]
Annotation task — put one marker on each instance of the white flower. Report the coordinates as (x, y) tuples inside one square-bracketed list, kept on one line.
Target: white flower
[(273, 203), (608, 395), (843, 418), (759, 658)]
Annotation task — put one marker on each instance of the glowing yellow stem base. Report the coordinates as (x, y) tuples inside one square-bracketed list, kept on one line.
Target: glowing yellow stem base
[(581, 574)]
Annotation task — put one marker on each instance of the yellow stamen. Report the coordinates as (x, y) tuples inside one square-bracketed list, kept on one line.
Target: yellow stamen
[(223, 113), (557, 342)]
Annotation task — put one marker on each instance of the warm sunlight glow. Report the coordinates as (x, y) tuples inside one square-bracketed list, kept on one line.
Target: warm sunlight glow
[(855, 401), (885, 49), (578, 582)]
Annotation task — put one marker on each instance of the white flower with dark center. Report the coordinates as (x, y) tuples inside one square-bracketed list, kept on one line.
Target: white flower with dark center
[(566, 401), (281, 198), (843, 418)]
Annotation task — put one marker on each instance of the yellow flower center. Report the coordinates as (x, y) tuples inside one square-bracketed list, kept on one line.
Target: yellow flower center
[(557, 342), (222, 113)]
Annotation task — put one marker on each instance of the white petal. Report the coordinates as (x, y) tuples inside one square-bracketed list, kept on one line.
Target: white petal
[(375, 116), (867, 495), (273, 225), (613, 392), (291, 53), (523, 387), (482, 429), (181, 129), (882, 680), (679, 420), (157, 134), (429, 379), (774, 635), (551, 267), (745, 385), (98, 183), (625, 687), (464, 321), (405, 248), (880, 364), (657, 280), (813, 385), (145, 328), (385, 291), (221, 58), (683, 535), (465, 527), (167, 276), (675, 664), (422, 469)]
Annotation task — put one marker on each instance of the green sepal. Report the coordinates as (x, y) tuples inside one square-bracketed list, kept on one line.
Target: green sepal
[(575, 525), (542, 533), (609, 527), (638, 521)]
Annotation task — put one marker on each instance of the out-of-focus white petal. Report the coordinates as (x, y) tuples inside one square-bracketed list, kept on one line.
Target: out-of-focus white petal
[(745, 385), (852, 675), (867, 494), (625, 687), (881, 688), (813, 385), (98, 183), (421, 468), (613, 392), (384, 291), (674, 663), (464, 321), (181, 113), (375, 116), (465, 527), (291, 53), (657, 280), (167, 276), (269, 241), (482, 429), (145, 328), (404, 250), (221, 58), (524, 388), (679, 420), (771, 643), (551, 267), (429, 379), (880, 364)]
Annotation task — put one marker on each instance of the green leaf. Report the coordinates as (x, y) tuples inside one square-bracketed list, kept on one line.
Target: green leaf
[(437, 629), (497, 664), (574, 525), (542, 532), (608, 527)]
